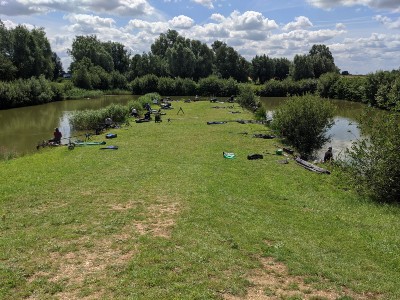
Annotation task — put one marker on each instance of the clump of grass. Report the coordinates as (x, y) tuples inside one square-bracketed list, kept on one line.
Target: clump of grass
[(139, 103), (92, 119), (7, 154), (77, 93)]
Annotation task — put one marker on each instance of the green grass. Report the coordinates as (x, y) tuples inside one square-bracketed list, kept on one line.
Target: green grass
[(166, 216)]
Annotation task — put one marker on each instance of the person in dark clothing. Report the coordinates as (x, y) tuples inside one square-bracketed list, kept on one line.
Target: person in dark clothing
[(328, 155), (56, 136)]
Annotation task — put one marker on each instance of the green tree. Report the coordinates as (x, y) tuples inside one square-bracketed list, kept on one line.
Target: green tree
[(181, 61), (282, 68), (302, 67), (322, 59), (81, 76), (91, 48), (42, 53), (247, 97), (164, 42), (22, 56), (326, 85), (228, 63), (58, 68), (119, 55), (374, 160), (7, 69), (204, 59), (262, 69), (303, 121)]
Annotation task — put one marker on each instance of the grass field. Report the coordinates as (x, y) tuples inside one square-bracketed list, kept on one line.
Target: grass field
[(167, 217)]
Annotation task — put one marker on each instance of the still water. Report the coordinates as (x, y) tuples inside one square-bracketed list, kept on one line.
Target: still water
[(23, 128), (345, 129)]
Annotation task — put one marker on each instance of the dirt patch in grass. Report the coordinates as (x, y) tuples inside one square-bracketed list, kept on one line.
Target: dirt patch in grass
[(273, 281), (160, 219), (85, 268)]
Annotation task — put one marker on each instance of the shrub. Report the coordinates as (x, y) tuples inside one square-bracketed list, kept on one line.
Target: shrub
[(325, 84), (166, 86), (374, 161), (210, 86), (247, 97), (303, 121), (91, 119)]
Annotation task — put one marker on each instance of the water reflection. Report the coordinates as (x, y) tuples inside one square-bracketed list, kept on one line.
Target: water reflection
[(345, 130), (22, 128)]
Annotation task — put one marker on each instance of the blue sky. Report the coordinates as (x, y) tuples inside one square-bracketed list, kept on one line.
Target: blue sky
[(363, 35)]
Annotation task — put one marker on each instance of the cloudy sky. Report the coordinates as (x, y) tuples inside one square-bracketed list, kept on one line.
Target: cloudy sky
[(363, 35)]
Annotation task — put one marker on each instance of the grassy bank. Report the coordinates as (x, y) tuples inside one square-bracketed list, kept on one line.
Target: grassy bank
[(166, 216)]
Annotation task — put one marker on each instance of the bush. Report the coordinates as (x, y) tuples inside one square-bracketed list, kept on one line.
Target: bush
[(303, 121), (210, 86), (374, 162), (247, 97), (91, 119), (275, 88), (214, 86)]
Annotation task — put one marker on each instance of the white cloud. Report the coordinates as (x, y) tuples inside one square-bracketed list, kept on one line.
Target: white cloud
[(388, 22), (181, 22), (217, 17), (299, 23), (117, 7), (251, 20), (153, 28), (379, 4), (206, 3), (340, 26), (93, 21), (9, 24)]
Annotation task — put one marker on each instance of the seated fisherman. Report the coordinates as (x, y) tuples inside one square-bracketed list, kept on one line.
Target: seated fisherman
[(328, 155), (134, 112), (56, 137), (108, 122)]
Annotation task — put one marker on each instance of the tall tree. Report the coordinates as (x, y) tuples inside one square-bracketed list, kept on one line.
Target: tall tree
[(119, 56), (91, 48), (7, 68), (262, 68), (22, 56), (58, 68), (204, 59), (282, 68), (181, 61), (43, 55), (228, 63), (322, 59), (302, 67), (164, 42)]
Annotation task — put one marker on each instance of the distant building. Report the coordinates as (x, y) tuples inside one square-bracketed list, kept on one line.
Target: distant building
[(66, 75)]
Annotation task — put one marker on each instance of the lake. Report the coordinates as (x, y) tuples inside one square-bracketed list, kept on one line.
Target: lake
[(23, 128), (343, 132)]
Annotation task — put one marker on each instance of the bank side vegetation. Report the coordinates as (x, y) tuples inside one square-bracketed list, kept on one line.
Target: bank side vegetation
[(175, 65), (31, 73)]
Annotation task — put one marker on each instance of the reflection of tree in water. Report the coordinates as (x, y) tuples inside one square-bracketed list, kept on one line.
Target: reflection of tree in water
[(22, 128), (346, 128)]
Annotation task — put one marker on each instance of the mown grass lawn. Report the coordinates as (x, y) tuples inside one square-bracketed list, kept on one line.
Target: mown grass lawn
[(167, 217)]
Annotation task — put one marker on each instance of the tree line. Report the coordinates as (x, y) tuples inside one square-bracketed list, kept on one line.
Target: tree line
[(26, 53), (176, 65)]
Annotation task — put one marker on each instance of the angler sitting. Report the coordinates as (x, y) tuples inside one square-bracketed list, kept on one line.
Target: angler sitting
[(57, 135)]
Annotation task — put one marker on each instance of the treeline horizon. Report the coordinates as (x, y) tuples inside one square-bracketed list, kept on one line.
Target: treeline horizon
[(176, 65)]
